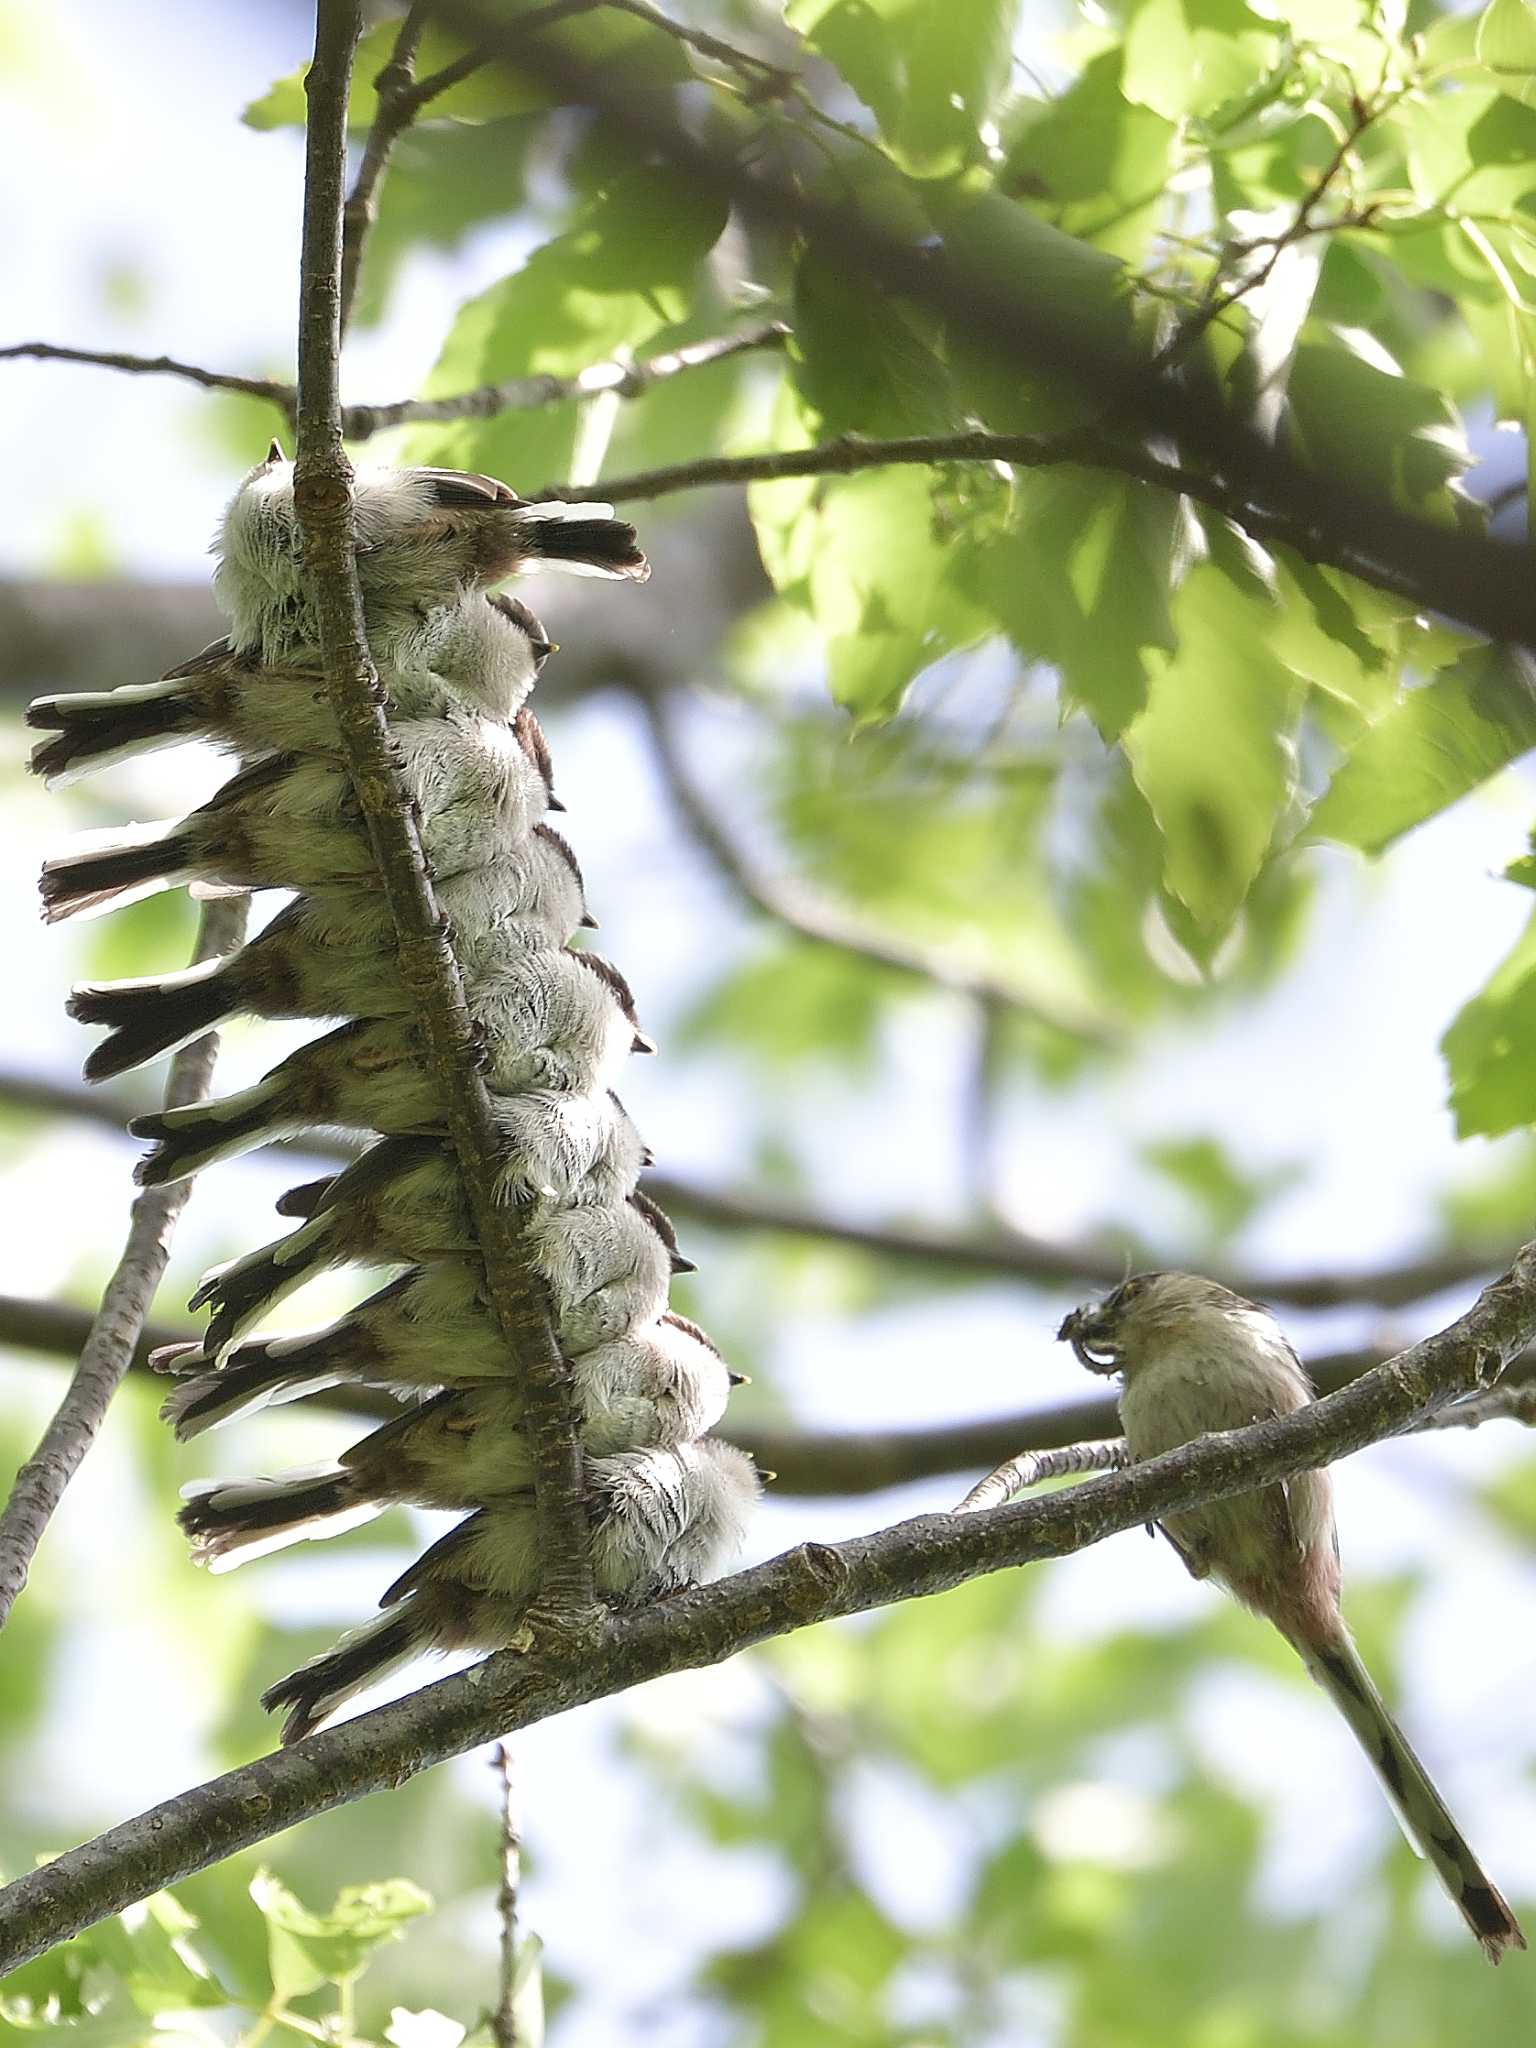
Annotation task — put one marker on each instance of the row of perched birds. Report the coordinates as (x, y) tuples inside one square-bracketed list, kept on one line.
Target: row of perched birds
[(554, 1025)]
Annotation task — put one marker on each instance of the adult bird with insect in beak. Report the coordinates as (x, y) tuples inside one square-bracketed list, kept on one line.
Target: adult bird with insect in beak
[(1194, 1358)]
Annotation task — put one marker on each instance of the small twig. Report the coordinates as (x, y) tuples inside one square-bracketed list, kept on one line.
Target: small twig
[(1029, 1468), (429, 970), (1302, 223), (528, 394), (791, 904), (109, 1347), (504, 2023), (273, 389), (815, 1582)]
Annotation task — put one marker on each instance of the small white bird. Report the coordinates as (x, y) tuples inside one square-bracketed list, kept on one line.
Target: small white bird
[(480, 654), (662, 1520), (333, 953), (553, 1019), (424, 536)]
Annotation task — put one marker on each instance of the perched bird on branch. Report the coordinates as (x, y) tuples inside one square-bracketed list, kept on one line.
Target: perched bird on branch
[(1194, 1358)]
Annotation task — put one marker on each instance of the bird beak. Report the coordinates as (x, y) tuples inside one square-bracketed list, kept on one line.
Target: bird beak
[(275, 452), (1092, 1337)]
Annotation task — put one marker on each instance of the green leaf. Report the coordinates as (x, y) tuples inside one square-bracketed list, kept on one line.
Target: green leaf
[(862, 362), (606, 44), (930, 75), (1186, 57), (874, 561), (149, 1949), (1097, 163), (1506, 43), (310, 1949), (1213, 753), (1391, 436), (625, 270), (1078, 295), (1471, 151), (796, 1003), (1430, 747), (1204, 1169), (1490, 1048), (1084, 578)]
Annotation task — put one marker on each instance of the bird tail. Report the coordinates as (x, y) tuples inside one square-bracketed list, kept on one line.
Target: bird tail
[(230, 1523), (261, 1374), (242, 1292), (120, 868), (1422, 1813), (363, 1655), (584, 540), (152, 1016), (195, 1136), (92, 728)]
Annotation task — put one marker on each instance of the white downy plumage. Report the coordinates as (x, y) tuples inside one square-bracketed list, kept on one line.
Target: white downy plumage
[(553, 1027)]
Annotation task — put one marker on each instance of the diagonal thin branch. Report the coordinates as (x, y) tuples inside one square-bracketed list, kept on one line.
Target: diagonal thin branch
[(813, 1583), (109, 1346), (323, 498), (801, 910), (1007, 1255)]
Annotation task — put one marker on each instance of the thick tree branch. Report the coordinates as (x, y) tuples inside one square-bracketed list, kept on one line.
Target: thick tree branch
[(813, 1583), (110, 1343), (801, 910), (323, 497), (1005, 1256)]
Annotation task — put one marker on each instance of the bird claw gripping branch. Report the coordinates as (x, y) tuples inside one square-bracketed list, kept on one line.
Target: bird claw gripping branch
[(552, 1027)]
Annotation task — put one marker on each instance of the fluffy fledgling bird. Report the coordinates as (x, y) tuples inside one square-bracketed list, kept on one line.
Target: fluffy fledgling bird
[(424, 536), (1194, 1358), (662, 1520), (403, 1202), (552, 1019), (291, 821), (333, 953), (662, 1382), (480, 655)]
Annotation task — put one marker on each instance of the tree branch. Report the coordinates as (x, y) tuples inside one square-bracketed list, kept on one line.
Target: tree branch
[(270, 388), (505, 2029), (812, 1583), (113, 1336), (323, 499), (790, 903), (529, 394), (1005, 1256)]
